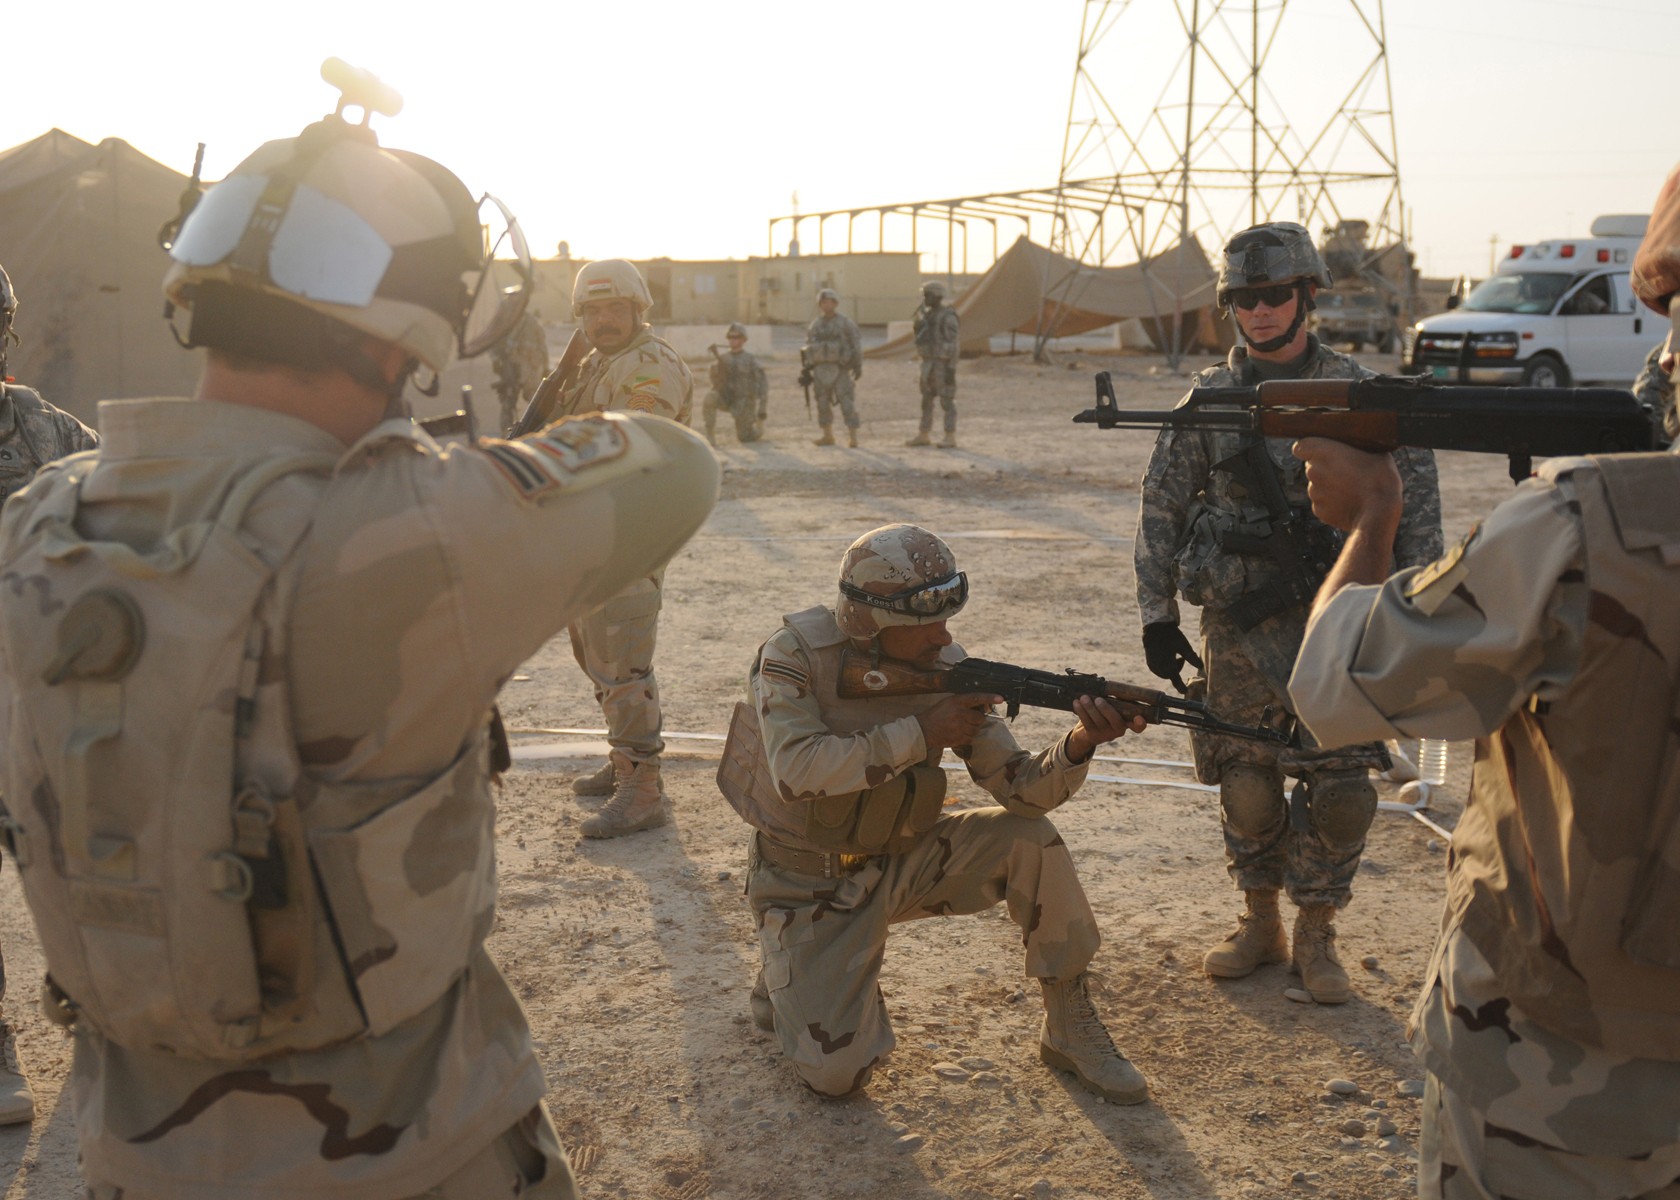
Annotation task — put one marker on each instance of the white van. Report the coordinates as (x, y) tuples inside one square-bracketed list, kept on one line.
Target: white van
[(1554, 314)]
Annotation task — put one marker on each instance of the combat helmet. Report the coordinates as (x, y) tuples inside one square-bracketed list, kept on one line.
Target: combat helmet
[(736, 329), (897, 575), (828, 294), (316, 240), (8, 309), (610, 279), (1276, 252), (936, 287)]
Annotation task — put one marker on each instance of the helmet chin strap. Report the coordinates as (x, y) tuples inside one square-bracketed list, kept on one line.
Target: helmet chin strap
[(1288, 335)]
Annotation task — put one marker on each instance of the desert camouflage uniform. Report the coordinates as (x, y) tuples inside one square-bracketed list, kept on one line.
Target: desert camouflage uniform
[(1655, 388), (823, 940), (1183, 502), (615, 643), (938, 343), (520, 363), (414, 589), (836, 351), (740, 389), (1550, 1022)]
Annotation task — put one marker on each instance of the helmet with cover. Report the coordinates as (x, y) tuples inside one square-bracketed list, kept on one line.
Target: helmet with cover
[(314, 241), (610, 279), (897, 575), (736, 329), (1264, 255), (828, 294), (935, 289)]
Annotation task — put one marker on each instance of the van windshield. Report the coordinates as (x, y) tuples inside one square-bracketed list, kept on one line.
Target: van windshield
[(1532, 292)]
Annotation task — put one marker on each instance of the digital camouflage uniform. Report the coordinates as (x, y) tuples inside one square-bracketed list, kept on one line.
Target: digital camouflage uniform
[(740, 389), (409, 601), (1550, 1019), (1655, 389), (836, 350), (938, 343), (1184, 505), (823, 939), (615, 643), (520, 362)]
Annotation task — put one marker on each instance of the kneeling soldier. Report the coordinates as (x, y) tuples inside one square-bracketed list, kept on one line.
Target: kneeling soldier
[(846, 798)]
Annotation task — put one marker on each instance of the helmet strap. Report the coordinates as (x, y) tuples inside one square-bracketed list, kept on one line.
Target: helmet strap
[(1302, 302)]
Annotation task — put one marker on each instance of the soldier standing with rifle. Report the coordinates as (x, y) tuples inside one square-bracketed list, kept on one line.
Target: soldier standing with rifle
[(739, 388), (1223, 522), (833, 354), (520, 361), (938, 343)]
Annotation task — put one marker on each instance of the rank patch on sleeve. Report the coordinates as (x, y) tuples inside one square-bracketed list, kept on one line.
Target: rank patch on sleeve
[(780, 671), (540, 464), (1435, 582)]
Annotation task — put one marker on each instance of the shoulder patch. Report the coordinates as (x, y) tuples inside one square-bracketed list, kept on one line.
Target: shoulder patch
[(539, 464), (1435, 582)]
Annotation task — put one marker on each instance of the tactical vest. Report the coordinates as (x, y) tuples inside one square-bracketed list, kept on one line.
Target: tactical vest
[(745, 777), (1573, 892), (827, 341), (195, 891)]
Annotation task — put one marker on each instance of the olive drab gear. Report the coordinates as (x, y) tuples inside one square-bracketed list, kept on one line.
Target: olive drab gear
[(892, 559), (193, 889), (610, 279), (1273, 253)]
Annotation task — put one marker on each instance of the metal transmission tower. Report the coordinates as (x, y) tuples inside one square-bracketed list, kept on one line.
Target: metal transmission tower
[(1277, 110)]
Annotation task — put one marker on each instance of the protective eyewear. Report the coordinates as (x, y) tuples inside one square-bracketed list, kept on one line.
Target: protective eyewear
[(1275, 296), (923, 600)]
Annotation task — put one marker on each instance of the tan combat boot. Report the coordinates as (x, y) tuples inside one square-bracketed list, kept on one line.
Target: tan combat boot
[(17, 1102), (1315, 958), (827, 438), (949, 442), (1073, 1038), (598, 784), (851, 438), (1258, 938), (638, 803), (921, 439), (763, 1012)]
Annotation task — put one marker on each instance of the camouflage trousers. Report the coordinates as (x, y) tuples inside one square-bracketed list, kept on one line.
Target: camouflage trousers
[(747, 428), (1247, 678), (1513, 1111), (614, 646), (832, 386), (823, 940), (939, 379), (525, 1163)]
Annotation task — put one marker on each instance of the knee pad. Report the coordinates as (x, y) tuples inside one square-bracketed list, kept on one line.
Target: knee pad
[(1342, 806), (1251, 798)]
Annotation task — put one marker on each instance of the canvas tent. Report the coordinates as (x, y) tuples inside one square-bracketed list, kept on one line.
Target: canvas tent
[(1030, 290), (78, 236)]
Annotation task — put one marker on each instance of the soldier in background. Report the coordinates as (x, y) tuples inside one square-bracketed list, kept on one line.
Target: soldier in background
[(248, 748), (938, 343), (739, 388), (629, 369), (812, 772), (1654, 388), (834, 349), (1206, 532), (1549, 1020), (520, 361), (33, 433)]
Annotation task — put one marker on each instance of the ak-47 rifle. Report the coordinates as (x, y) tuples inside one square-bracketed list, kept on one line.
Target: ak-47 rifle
[(864, 676), (1385, 412), (543, 401), (807, 375)]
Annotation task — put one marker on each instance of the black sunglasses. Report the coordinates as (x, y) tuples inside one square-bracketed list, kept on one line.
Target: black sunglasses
[(1275, 296)]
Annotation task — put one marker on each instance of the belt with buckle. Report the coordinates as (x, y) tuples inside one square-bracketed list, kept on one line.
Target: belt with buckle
[(826, 863)]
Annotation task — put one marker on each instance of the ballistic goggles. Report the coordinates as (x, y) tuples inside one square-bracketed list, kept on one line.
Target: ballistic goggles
[(311, 246), (923, 600), (1274, 296)]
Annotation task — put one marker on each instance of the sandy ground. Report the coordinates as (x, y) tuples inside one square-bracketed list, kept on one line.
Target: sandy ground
[(634, 957)]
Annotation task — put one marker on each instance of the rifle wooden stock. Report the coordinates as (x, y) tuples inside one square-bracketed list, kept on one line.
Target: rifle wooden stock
[(540, 411)]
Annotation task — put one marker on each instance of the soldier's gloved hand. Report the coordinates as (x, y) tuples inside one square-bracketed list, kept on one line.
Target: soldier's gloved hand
[(1166, 650), (857, 373)]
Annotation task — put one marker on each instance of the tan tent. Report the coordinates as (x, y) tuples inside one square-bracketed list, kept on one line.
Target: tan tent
[(1031, 290), (78, 236)]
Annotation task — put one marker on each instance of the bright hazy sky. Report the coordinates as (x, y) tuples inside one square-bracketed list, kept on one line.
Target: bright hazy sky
[(678, 127)]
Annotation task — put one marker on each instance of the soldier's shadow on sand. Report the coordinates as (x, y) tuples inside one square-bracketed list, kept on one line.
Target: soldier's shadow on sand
[(1145, 1137)]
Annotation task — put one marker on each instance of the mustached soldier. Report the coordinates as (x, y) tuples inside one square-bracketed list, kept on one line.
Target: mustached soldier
[(739, 388), (629, 369), (835, 351), (246, 711), (938, 333), (1208, 532), (845, 798)]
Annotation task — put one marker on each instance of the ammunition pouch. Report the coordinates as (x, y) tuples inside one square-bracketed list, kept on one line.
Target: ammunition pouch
[(887, 819), (824, 352)]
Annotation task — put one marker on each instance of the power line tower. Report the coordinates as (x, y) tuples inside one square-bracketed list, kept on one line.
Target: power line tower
[(1269, 110)]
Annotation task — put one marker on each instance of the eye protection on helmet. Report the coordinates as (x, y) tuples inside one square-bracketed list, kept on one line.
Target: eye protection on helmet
[(923, 600)]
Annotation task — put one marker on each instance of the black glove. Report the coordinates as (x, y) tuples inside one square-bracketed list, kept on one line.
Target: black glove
[(1166, 649)]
